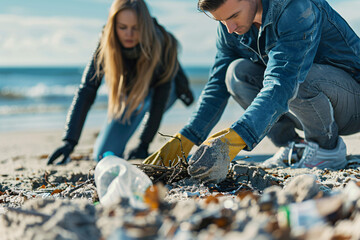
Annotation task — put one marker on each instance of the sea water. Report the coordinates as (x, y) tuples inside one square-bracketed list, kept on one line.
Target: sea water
[(38, 98)]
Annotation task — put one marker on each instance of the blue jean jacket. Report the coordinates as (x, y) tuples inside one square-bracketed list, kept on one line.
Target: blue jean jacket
[(294, 34)]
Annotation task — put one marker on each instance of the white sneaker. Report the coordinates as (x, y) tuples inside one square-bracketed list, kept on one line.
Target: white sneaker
[(314, 156), (285, 156)]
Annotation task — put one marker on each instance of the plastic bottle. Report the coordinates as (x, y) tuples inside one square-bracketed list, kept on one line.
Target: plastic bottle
[(115, 178), (305, 215), (300, 216)]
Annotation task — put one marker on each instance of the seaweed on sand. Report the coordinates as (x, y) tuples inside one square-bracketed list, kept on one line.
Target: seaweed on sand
[(167, 174)]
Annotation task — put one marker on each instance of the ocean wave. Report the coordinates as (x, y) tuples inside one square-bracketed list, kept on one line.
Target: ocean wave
[(41, 90), (41, 108), (41, 71), (10, 110)]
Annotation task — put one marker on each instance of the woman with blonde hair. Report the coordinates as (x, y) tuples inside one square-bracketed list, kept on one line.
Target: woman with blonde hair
[(139, 60)]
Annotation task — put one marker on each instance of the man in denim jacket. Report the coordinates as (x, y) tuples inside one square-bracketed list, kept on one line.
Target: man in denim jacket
[(290, 64)]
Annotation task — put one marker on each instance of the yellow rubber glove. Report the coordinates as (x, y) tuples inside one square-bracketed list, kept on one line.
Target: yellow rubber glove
[(170, 153), (210, 163)]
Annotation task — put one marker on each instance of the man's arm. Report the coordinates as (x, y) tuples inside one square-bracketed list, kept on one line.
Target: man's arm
[(214, 97)]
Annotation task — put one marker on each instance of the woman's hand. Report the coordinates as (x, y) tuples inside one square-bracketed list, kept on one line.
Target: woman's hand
[(65, 151), (140, 152)]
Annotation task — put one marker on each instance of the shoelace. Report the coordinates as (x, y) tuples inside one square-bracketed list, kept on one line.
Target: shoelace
[(309, 152), (292, 146)]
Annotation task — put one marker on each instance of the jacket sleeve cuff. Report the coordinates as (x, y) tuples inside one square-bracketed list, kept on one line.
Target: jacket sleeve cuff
[(191, 135), (246, 135)]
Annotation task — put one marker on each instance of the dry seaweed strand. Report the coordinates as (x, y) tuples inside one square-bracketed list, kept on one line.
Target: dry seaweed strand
[(69, 191), (183, 159), (174, 174), (166, 174), (46, 174), (177, 168)]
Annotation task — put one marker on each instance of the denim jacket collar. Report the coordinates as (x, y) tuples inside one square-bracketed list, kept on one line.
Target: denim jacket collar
[(271, 8)]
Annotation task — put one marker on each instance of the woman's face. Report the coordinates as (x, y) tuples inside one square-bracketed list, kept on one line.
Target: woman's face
[(127, 28)]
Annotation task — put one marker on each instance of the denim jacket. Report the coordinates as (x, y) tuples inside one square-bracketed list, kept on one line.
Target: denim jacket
[(294, 34)]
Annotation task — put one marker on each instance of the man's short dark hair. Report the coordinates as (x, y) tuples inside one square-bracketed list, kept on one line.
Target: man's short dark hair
[(209, 5)]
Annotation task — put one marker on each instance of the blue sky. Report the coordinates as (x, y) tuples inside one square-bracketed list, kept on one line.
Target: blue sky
[(64, 33)]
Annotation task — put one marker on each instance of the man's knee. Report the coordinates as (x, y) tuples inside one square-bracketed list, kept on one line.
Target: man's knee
[(316, 81), (237, 72)]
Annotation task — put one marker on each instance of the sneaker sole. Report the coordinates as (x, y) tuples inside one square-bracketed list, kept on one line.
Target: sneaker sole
[(334, 165)]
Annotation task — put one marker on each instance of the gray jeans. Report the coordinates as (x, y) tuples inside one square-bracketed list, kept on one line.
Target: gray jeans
[(327, 103)]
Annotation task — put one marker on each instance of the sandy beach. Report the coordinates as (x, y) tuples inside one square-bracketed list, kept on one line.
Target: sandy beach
[(30, 209), (25, 144)]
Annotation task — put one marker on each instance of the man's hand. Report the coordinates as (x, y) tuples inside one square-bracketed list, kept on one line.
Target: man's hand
[(65, 151), (170, 153), (210, 163)]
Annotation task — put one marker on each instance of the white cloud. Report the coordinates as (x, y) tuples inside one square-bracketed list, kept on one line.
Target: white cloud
[(195, 31), (34, 40), (47, 40)]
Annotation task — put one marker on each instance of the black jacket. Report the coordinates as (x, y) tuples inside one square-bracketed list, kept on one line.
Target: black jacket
[(86, 94)]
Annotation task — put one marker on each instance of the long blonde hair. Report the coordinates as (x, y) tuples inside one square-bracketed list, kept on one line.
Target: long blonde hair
[(157, 49)]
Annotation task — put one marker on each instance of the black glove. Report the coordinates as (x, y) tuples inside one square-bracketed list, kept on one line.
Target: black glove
[(140, 152), (182, 88), (64, 150), (186, 97)]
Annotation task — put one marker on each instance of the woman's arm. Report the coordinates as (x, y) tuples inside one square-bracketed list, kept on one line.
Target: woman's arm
[(157, 108), (82, 101), (151, 124)]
